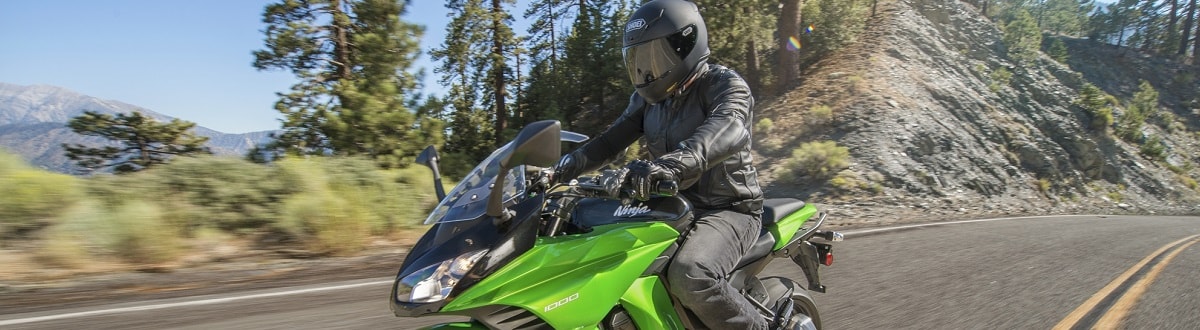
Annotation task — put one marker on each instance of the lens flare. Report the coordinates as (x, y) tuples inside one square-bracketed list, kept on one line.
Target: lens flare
[(793, 43), (809, 29)]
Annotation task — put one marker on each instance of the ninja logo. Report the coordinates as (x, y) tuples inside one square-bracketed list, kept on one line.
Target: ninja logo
[(630, 210)]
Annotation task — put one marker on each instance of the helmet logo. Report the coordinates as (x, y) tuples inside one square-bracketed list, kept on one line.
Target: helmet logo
[(636, 24), (687, 31)]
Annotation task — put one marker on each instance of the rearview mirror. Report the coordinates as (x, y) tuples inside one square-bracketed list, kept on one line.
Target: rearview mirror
[(537, 144), (429, 158)]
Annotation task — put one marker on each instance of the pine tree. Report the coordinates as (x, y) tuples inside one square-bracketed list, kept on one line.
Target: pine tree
[(586, 86), (1189, 22), (545, 30), (787, 70), (143, 142), (475, 65), (740, 33), (1122, 15), (1099, 106), (1065, 16), (352, 58), (500, 71), (835, 22), (593, 70), (1022, 37), (1144, 105)]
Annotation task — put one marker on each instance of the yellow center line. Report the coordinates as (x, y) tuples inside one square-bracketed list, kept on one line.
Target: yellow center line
[(1121, 308), (1091, 303)]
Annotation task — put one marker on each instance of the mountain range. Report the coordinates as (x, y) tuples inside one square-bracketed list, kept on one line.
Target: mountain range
[(33, 125)]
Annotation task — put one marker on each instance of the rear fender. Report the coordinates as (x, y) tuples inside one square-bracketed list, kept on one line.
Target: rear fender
[(808, 255), (809, 259)]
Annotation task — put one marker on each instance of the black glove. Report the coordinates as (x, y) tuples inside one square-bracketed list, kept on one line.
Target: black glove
[(568, 167), (644, 177)]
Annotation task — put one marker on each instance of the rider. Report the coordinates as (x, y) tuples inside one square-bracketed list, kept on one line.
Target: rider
[(696, 118)]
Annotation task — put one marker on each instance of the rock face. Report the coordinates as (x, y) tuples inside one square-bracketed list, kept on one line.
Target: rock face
[(926, 125), (33, 124)]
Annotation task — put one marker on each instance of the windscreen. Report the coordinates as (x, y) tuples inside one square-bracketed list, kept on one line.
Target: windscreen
[(468, 200)]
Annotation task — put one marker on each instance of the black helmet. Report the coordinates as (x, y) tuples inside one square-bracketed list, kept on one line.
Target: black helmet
[(665, 41)]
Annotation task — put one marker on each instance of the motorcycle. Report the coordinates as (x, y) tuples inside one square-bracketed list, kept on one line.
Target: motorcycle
[(512, 250)]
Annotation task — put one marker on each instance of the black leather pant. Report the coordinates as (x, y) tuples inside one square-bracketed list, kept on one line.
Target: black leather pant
[(698, 274)]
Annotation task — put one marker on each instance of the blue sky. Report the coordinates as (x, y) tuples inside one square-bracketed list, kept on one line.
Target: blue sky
[(187, 59)]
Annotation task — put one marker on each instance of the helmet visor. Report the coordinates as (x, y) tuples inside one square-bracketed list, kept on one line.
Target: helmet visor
[(650, 61)]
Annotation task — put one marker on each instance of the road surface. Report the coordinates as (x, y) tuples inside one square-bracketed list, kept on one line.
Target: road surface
[(1024, 273)]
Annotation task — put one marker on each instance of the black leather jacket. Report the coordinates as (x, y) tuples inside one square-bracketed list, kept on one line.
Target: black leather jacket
[(703, 134)]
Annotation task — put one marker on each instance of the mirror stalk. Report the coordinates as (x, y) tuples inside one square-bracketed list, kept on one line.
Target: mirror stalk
[(429, 158)]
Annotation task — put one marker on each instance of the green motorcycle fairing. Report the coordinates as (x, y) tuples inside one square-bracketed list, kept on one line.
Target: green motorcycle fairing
[(568, 281), (649, 304), (785, 229)]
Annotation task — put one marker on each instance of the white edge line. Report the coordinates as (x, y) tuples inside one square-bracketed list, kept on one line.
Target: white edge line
[(931, 224), (185, 303), (349, 286)]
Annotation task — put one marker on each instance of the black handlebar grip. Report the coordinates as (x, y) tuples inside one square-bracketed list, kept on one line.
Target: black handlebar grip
[(666, 188)]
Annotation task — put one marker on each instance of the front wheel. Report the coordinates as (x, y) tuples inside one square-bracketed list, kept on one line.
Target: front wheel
[(804, 309)]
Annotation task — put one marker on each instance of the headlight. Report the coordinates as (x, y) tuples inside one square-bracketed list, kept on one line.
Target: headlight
[(433, 283)]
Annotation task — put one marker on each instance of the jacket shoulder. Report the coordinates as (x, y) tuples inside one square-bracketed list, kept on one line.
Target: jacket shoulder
[(721, 80)]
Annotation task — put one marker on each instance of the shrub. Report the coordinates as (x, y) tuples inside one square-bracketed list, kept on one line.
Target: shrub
[(821, 114), (817, 159), (1115, 196), (764, 126), (344, 200), (418, 196), (10, 163), (843, 182), (1189, 182), (1154, 148), (1166, 120), (1099, 106), (135, 232), (326, 222), (1057, 50), (1000, 77), (1144, 105), (847, 180), (1177, 169), (32, 198), (227, 193), (857, 84), (1043, 185), (71, 241)]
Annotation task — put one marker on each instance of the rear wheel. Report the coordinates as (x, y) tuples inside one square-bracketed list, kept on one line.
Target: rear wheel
[(804, 309)]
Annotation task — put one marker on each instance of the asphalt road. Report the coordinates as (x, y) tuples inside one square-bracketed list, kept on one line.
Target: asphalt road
[(1028, 273)]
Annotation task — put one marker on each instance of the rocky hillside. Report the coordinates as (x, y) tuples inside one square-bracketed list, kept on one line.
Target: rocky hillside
[(932, 136), (33, 124)]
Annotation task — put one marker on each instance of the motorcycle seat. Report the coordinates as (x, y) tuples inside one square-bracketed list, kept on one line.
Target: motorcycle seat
[(773, 210)]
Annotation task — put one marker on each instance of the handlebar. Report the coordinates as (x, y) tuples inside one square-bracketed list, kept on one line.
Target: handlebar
[(666, 188), (612, 184)]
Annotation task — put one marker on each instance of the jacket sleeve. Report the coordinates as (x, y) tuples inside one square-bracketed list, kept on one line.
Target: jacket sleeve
[(724, 133), (618, 136)]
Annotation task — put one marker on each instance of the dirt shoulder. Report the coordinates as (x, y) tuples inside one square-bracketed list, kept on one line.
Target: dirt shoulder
[(131, 284)]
